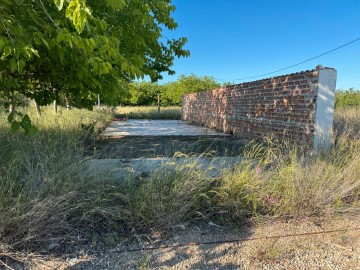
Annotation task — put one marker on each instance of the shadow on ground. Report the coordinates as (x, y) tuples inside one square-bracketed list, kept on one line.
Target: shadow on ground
[(165, 146), (209, 255)]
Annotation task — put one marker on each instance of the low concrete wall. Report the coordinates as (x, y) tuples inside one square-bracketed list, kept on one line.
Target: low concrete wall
[(297, 106)]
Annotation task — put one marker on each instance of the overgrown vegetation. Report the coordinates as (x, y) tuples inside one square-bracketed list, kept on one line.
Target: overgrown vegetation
[(49, 198), (150, 112), (74, 50), (347, 98)]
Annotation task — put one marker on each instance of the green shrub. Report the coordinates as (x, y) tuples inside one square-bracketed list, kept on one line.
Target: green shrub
[(347, 98)]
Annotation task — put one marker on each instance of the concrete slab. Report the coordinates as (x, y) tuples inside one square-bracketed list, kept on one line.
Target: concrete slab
[(122, 169), (118, 129)]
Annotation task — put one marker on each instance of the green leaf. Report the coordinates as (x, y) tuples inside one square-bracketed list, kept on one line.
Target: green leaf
[(26, 121), (45, 43), (10, 117), (31, 130), (59, 4), (6, 53), (103, 25), (13, 64), (17, 53), (90, 45), (116, 4), (71, 9), (26, 52), (27, 126), (61, 54), (60, 37), (2, 45), (35, 52), (79, 20), (21, 65), (15, 125), (87, 10)]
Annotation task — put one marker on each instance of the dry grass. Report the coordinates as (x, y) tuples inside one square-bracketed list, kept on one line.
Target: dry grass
[(292, 185), (347, 122), (42, 177), (49, 199)]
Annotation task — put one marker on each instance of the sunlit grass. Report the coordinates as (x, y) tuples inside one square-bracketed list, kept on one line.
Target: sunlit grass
[(150, 112), (48, 197), (347, 121)]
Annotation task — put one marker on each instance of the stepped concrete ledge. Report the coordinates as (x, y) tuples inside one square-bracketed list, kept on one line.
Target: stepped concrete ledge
[(122, 169), (120, 129)]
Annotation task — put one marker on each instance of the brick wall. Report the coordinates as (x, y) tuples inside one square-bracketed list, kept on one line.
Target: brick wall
[(284, 107)]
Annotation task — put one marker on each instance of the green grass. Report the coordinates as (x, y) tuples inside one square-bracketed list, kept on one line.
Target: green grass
[(150, 112), (49, 198)]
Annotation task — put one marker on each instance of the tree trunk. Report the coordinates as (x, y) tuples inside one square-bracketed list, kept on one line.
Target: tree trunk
[(55, 106), (11, 108), (67, 104), (99, 103), (56, 100), (158, 102), (11, 103), (38, 110)]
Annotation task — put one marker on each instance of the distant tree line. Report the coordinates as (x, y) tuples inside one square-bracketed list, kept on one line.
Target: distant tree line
[(146, 93)]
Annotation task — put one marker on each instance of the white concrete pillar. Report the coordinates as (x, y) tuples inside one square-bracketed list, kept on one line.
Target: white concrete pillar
[(324, 113)]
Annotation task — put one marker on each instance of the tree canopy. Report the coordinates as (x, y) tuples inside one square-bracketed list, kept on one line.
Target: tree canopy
[(187, 84), (145, 93), (77, 49)]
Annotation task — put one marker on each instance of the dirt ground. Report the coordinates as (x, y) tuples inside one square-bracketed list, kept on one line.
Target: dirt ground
[(301, 244)]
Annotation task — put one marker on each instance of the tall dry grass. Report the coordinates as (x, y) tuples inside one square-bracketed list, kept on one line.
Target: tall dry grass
[(41, 176), (347, 123), (49, 198), (292, 185)]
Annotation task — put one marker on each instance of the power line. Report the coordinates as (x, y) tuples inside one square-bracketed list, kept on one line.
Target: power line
[(302, 62)]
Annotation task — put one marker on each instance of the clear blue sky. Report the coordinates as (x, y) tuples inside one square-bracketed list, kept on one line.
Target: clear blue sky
[(232, 39)]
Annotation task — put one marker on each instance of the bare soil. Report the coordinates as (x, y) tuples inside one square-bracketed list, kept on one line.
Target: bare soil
[(301, 244)]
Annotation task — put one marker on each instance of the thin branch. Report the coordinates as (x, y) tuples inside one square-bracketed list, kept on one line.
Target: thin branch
[(6, 30), (48, 15)]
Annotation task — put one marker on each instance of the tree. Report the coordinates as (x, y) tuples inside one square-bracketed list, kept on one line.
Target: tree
[(144, 93), (78, 49), (173, 91)]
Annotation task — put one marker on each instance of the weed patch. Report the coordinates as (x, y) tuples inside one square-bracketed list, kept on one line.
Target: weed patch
[(150, 112), (49, 198)]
